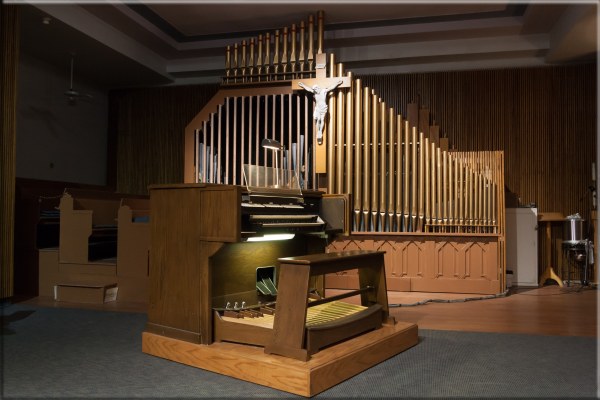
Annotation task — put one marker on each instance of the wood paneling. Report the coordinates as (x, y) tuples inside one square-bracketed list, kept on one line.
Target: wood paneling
[(147, 133), (455, 263), (9, 62)]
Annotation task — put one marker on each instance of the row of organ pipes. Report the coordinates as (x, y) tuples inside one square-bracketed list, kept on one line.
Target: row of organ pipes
[(287, 54), (400, 179)]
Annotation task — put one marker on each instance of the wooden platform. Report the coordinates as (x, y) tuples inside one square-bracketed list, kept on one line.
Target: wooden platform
[(324, 370)]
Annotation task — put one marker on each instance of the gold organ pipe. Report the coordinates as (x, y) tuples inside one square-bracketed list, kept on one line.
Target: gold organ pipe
[(284, 53), (330, 131), (398, 170), (310, 56), (339, 168), (320, 33), (332, 65), (421, 183), (228, 63), (477, 187), (490, 202), (257, 130), (469, 199), (413, 178), (481, 199), (382, 165), (243, 61), (433, 172), (439, 186), (366, 158), (298, 153), (211, 165), (301, 53), (290, 156), (259, 57), (450, 192), (445, 188), (204, 163), (235, 130), (306, 144), (251, 61), (235, 62), (391, 135), (276, 55), (427, 186), (374, 164), (484, 200), (227, 147), (461, 193), (406, 171), (456, 192), (293, 38), (267, 60), (358, 143), (349, 168), (484, 187), (494, 194), (473, 198)]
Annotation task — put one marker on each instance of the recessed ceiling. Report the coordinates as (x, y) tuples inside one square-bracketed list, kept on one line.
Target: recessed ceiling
[(145, 44)]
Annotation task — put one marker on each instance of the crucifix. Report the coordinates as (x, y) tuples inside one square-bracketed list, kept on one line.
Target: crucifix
[(320, 87)]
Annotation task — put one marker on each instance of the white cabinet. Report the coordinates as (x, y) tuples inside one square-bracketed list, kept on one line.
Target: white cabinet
[(522, 245)]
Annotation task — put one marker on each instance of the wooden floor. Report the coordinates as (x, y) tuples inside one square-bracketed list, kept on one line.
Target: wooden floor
[(548, 310)]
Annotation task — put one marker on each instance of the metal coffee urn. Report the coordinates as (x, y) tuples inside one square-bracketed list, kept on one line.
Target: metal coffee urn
[(576, 247), (573, 229)]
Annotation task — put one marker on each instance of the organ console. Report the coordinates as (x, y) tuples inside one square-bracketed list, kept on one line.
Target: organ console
[(414, 213), (214, 286)]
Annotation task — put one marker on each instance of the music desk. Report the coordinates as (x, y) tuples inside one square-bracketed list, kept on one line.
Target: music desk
[(548, 218)]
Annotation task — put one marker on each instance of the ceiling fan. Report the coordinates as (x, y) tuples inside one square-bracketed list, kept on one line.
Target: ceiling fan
[(72, 94)]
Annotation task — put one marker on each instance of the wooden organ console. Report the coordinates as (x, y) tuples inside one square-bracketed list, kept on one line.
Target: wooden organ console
[(415, 216), (216, 295)]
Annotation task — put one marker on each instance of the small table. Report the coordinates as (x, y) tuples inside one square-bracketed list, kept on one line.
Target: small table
[(548, 218)]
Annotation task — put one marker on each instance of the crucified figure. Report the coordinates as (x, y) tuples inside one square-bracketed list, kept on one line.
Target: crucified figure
[(321, 107)]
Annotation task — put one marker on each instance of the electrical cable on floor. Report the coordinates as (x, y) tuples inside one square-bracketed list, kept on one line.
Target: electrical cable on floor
[(423, 302)]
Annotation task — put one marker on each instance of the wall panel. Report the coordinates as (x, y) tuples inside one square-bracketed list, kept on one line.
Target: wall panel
[(147, 131), (9, 45)]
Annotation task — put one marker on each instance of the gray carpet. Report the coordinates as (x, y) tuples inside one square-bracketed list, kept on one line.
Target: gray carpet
[(69, 353)]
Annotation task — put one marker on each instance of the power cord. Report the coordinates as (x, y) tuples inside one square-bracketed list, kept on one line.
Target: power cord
[(423, 302)]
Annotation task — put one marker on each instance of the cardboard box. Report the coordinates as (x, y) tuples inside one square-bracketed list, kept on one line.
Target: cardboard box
[(85, 292)]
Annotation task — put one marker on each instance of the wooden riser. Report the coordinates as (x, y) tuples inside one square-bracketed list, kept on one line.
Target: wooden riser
[(324, 370)]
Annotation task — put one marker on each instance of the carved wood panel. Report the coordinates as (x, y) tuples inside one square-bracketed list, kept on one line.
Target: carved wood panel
[(428, 263)]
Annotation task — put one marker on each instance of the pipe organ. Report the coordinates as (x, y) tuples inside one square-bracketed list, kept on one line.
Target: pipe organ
[(436, 214), (400, 177)]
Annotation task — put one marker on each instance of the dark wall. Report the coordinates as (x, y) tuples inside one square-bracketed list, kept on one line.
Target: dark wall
[(146, 128)]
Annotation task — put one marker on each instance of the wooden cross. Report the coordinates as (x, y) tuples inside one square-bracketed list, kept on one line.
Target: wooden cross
[(322, 82)]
